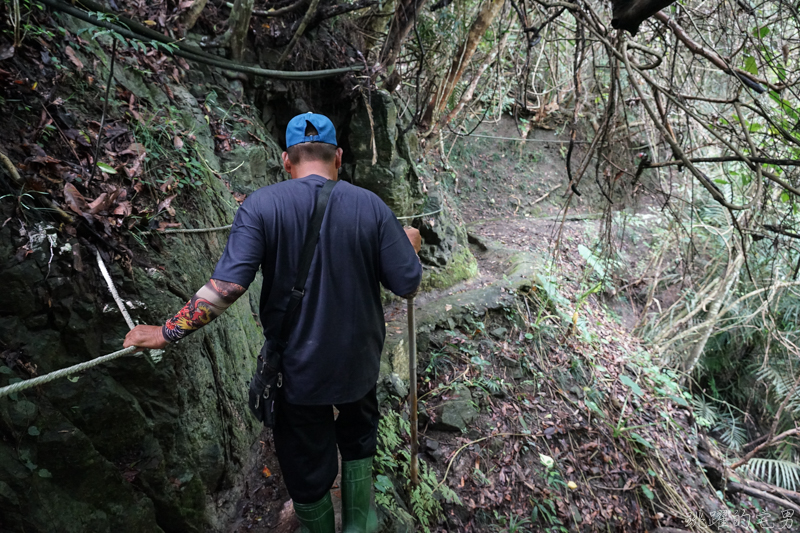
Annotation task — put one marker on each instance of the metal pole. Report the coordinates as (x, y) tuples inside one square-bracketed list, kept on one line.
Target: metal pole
[(412, 391)]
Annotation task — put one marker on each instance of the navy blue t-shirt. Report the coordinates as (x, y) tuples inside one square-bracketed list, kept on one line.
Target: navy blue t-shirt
[(333, 354)]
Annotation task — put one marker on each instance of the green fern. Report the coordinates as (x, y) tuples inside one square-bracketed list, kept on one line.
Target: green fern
[(731, 431), (705, 413), (392, 461), (781, 381), (784, 474)]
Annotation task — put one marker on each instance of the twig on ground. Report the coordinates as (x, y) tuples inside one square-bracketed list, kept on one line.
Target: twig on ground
[(105, 107)]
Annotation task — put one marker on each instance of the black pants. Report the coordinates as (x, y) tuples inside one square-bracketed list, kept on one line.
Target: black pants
[(306, 437)]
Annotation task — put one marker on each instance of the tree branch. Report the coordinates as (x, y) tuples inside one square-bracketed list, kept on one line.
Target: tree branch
[(728, 159), (697, 48), (760, 494), (204, 58), (275, 12), (770, 440)]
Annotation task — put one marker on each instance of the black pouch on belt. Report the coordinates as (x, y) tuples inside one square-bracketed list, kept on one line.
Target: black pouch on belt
[(265, 385)]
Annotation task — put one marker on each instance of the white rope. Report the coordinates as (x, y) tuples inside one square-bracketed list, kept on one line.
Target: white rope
[(221, 228), (422, 215), (64, 372), (199, 230), (155, 355), (113, 290)]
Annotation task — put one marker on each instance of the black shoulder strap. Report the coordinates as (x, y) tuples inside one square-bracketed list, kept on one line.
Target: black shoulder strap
[(310, 244)]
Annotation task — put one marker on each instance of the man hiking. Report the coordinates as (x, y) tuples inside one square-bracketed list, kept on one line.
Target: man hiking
[(332, 353)]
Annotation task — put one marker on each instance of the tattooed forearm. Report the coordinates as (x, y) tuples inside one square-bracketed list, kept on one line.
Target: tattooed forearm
[(206, 305)]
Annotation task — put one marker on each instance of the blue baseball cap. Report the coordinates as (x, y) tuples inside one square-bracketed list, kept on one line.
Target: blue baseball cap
[(296, 130)]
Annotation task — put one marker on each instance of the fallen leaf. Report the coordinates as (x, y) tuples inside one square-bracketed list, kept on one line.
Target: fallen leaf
[(96, 205), (103, 202), (45, 160), (572, 485), (105, 167), (266, 472), (72, 57), (135, 168), (165, 204), (6, 51), (78, 136), (150, 22), (75, 200), (136, 149), (123, 209), (167, 185), (164, 225)]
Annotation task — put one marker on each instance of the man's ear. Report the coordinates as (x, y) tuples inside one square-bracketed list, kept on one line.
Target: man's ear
[(287, 164), (338, 160)]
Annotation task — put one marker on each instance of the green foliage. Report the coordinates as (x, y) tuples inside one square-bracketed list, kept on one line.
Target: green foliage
[(23, 22), (392, 461), (785, 474), (157, 133)]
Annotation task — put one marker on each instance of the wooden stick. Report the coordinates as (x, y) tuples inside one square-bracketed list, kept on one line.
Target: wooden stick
[(770, 439), (412, 392)]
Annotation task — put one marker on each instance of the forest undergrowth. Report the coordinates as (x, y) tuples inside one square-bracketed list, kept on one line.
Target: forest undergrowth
[(646, 377)]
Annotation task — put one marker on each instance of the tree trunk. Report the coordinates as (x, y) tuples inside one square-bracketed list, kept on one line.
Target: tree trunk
[(404, 19), (191, 16), (470, 92), (301, 28), (238, 24), (728, 283), (374, 23), (463, 55)]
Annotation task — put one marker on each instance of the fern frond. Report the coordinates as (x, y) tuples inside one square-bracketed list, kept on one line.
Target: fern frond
[(705, 413), (731, 432), (784, 474)]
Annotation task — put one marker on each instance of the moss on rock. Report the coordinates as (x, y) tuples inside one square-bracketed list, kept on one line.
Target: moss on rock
[(461, 266)]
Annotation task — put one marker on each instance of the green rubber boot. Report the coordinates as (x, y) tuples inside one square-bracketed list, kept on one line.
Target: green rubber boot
[(316, 517), (358, 511)]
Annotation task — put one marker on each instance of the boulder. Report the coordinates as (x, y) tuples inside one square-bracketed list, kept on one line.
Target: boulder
[(457, 412), (385, 163)]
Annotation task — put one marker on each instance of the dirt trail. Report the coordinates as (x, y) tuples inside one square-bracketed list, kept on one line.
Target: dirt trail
[(265, 506)]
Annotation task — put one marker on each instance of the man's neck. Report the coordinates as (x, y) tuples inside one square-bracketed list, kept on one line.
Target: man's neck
[(327, 171)]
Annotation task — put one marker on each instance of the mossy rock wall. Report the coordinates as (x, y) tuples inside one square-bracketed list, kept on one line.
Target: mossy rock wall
[(385, 162), (129, 446)]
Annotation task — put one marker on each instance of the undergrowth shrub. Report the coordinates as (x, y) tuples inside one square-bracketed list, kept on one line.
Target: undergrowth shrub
[(392, 466)]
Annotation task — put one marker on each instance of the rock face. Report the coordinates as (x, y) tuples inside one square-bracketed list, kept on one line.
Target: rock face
[(129, 446), (385, 163)]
